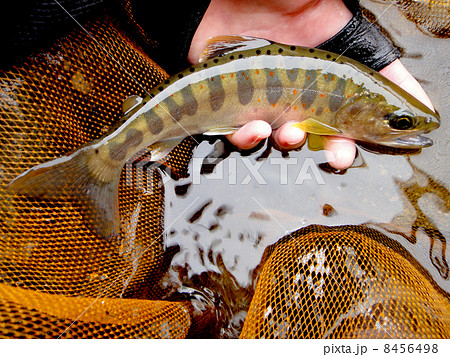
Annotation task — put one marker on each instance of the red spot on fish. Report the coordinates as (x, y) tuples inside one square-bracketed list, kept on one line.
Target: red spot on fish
[(327, 110), (326, 76), (312, 110), (308, 78), (348, 95), (274, 105), (304, 105), (257, 71), (271, 74), (322, 95), (223, 77), (295, 91)]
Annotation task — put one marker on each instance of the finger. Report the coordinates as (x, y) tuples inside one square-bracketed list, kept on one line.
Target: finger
[(250, 134), (340, 152), (398, 74), (289, 137)]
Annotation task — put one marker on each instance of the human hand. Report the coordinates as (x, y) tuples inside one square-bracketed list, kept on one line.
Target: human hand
[(292, 22)]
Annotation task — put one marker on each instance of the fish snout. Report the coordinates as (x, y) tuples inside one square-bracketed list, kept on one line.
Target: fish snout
[(432, 123)]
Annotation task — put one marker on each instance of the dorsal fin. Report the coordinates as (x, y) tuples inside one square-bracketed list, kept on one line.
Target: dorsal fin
[(219, 45)]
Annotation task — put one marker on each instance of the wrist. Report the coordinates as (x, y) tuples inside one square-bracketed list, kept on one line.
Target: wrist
[(364, 42)]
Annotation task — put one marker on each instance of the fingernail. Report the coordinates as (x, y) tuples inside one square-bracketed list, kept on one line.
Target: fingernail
[(294, 135), (263, 134), (266, 132)]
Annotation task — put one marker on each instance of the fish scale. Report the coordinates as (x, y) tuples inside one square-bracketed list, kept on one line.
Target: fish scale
[(321, 92)]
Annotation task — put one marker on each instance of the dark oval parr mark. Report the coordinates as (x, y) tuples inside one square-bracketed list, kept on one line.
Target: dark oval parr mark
[(133, 138)]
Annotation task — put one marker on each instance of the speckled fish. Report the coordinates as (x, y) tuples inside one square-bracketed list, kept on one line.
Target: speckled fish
[(238, 80)]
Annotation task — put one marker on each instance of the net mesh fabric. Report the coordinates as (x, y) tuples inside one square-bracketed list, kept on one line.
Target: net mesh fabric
[(57, 279), (343, 282), (52, 267), (431, 17)]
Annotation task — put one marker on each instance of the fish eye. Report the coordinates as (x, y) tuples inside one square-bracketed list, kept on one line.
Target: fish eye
[(401, 122)]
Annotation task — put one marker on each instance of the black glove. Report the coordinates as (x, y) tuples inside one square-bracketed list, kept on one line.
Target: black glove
[(364, 42)]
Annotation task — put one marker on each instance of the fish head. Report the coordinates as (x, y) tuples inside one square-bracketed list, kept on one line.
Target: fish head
[(395, 122)]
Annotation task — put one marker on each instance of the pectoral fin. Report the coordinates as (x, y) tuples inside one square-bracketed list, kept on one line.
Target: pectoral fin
[(314, 126)]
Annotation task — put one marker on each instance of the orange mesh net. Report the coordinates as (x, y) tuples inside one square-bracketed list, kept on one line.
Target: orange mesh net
[(57, 279), (341, 283), (430, 17), (52, 267)]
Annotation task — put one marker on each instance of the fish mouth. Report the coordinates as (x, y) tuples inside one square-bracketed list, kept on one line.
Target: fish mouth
[(413, 141)]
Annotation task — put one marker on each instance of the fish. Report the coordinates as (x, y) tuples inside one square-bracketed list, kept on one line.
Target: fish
[(238, 79)]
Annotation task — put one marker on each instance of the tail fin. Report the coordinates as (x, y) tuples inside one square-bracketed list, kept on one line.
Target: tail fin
[(71, 175)]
